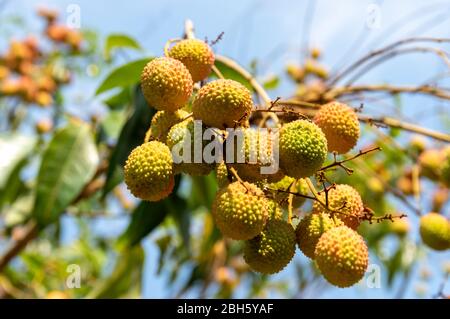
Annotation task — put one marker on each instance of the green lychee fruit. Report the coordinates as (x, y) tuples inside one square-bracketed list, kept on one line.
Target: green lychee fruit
[(222, 175), (183, 137), (196, 55), (148, 171), (345, 201), (254, 158), (311, 228), (342, 256), (303, 148), (275, 210), (430, 162), (435, 231), (289, 184), (240, 210), (272, 249), (222, 104), (166, 84), (161, 123), (340, 125)]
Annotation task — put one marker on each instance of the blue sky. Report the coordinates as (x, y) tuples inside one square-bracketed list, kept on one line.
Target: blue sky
[(272, 32)]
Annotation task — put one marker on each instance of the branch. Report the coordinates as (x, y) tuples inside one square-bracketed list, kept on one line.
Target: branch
[(340, 163), (381, 51)]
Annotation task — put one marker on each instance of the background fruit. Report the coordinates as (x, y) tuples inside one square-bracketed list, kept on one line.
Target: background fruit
[(287, 184), (161, 123), (309, 230), (166, 84), (346, 200), (222, 104), (148, 171), (240, 210), (303, 148), (273, 249), (342, 256), (196, 55), (340, 125), (435, 231)]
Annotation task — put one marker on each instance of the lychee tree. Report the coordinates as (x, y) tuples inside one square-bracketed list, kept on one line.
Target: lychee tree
[(221, 227)]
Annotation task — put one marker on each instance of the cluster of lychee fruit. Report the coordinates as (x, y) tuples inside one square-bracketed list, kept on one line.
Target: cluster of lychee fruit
[(251, 205), (26, 71)]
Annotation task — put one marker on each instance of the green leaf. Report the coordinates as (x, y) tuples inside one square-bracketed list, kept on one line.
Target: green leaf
[(119, 41), (229, 73), (125, 280), (113, 122), (67, 165), (149, 215), (119, 100), (271, 83), (123, 76), (132, 135), (14, 149)]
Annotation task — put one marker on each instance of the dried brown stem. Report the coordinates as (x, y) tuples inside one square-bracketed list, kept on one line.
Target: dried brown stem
[(340, 163)]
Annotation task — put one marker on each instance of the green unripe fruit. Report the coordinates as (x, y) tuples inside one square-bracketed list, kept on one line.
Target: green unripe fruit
[(161, 123), (303, 148), (272, 249), (310, 229), (345, 202), (148, 171), (196, 55), (342, 256), (184, 137), (254, 155), (222, 104), (275, 210), (340, 125), (445, 169), (286, 184), (166, 84), (430, 162), (240, 210), (222, 175), (435, 231)]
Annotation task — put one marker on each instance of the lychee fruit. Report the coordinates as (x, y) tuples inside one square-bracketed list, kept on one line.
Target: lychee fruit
[(435, 231)]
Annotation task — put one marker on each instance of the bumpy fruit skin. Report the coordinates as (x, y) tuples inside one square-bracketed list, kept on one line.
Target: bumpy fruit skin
[(196, 55), (161, 123), (184, 134), (284, 185), (166, 84), (148, 171), (340, 125), (254, 155), (222, 175), (342, 256), (303, 148), (435, 231), (310, 229), (273, 249), (240, 212), (275, 210), (222, 104), (346, 200)]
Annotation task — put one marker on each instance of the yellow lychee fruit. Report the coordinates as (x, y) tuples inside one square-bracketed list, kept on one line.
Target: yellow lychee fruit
[(274, 209), (161, 123), (340, 124), (148, 171), (196, 55), (345, 202), (272, 249), (399, 227), (222, 103), (289, 184), (309, 230), (342, 256), (240, 210), (302, 148), (430, 162), (166, 84), (435, 231), (187, 136)]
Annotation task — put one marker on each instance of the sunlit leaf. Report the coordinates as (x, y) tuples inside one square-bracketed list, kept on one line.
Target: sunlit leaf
[(115, 41), (123, 76), (67, 165)]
